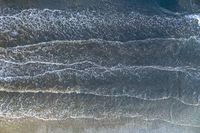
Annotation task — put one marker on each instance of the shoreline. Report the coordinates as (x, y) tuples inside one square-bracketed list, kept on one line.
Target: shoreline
[(119, 125)]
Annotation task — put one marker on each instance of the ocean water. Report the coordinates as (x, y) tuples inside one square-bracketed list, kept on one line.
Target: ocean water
[(99, 66)]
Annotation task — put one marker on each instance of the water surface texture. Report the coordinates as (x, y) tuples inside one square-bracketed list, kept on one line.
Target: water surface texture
[(99, 66)]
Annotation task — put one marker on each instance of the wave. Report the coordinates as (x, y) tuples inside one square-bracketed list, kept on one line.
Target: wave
[(148, 69), (65, 106), (146, 82), (149, 52), (34, 25)]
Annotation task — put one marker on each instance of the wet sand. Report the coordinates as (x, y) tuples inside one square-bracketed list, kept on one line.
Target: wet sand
[(123, 125)]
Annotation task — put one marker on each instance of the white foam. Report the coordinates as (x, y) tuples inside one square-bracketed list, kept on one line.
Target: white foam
[(197, 17)]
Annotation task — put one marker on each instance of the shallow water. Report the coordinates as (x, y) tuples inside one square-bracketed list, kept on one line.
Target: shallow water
[(125, 125)]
